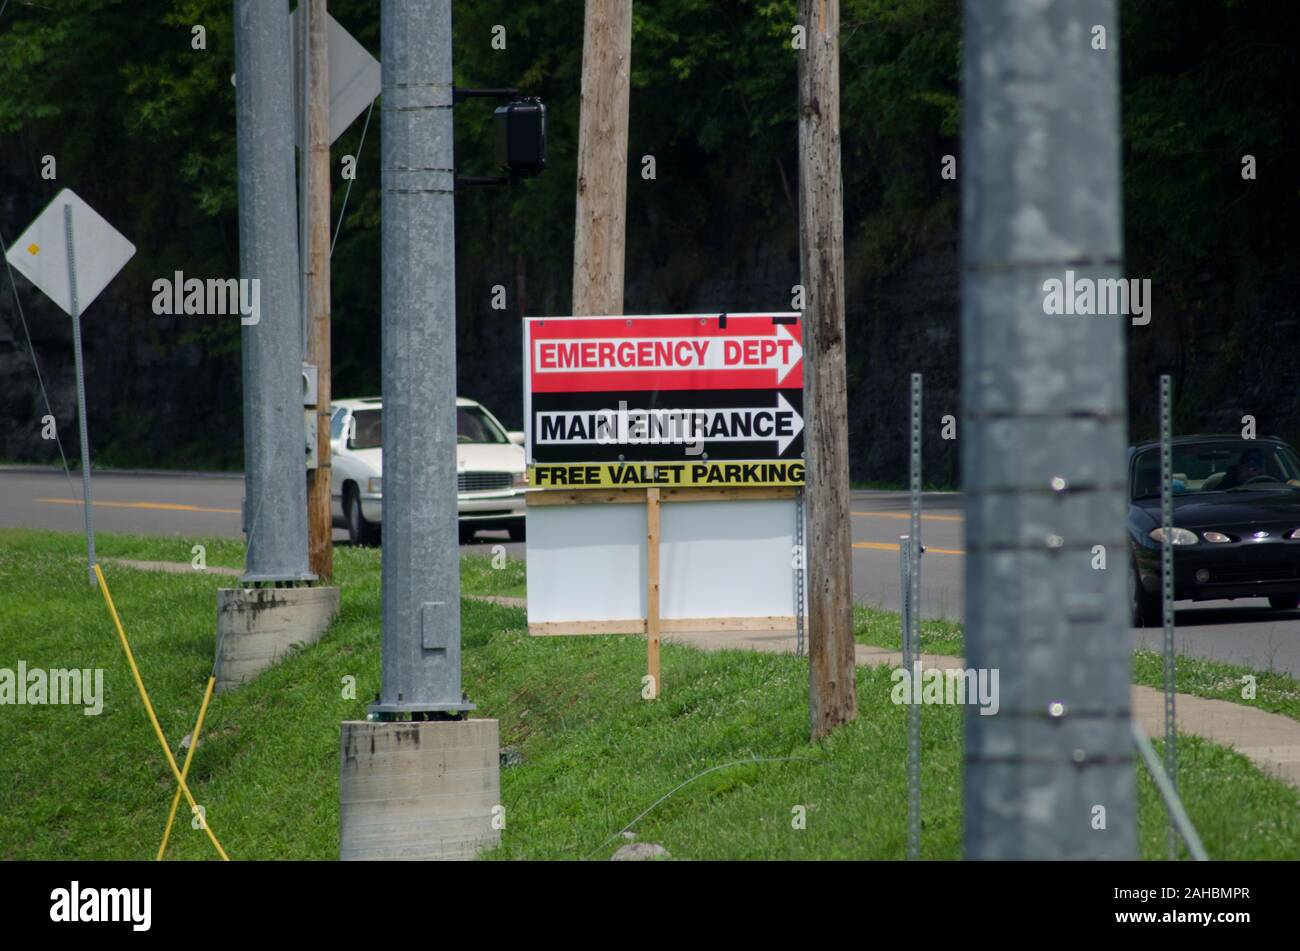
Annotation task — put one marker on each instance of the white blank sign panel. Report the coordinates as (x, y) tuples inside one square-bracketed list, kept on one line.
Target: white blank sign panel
[(724, 559)]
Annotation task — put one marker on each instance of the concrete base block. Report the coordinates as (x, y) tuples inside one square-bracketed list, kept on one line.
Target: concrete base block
[(418, 791), (257, 626)]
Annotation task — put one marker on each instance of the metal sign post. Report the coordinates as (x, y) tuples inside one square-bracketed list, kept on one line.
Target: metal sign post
[(1167, 608), (912, 664), (81, 397), (914, 552)]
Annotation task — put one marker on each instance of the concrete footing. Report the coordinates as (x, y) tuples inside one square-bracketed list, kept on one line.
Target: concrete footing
[(257, 626), (419, 790)]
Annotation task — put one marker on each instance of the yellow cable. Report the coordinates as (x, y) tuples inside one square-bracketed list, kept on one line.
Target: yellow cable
[(144, 695), (185, 769)]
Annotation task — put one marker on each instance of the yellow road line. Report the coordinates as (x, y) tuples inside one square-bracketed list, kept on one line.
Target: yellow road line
[(893, 546), (163, 506), (904, 515)]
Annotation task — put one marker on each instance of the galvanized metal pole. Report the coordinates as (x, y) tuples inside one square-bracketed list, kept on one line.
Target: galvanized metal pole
[(911, 664), (421, 566), (905, 593), (274, 442), (1043, 402), (914, 549), (87, 503), (1167, 586)]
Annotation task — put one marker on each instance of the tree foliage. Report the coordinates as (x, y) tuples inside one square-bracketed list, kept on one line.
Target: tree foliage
[(142, 125)]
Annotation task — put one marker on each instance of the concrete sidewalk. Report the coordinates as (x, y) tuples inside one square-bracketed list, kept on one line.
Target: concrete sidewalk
[(1269, 740), (170, 567)]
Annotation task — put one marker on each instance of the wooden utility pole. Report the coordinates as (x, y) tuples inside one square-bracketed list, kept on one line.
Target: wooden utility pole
[(320, 526), (832, 691), (601, 220)]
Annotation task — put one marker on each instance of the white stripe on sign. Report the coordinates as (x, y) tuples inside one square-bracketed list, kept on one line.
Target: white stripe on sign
[(659, 427), (779, 352)]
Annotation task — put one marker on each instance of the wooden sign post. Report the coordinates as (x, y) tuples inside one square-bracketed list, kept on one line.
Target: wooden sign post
[(652, 590)]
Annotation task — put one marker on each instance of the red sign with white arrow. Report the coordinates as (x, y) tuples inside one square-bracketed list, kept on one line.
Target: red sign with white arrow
[(697, 352)]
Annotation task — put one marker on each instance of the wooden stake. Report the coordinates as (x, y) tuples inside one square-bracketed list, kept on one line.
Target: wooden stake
[(320, 523), (832, 693), (601, 218), (652, 589)]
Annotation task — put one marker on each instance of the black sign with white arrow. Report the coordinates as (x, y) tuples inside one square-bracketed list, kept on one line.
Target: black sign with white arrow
[(676, 425)]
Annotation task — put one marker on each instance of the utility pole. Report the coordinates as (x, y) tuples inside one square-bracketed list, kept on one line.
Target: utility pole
[(316, 170), (1051, 774), (275, 506), (600, 224), (832, 686), (421, 564), (429, 788)]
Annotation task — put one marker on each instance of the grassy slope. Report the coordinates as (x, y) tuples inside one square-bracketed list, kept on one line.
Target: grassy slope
[(594, 754)]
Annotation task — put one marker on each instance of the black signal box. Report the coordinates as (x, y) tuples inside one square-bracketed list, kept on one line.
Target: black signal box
[(521, 137)]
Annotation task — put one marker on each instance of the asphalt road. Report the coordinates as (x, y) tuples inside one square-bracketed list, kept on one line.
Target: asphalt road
[(1243, 632), (145, 503)]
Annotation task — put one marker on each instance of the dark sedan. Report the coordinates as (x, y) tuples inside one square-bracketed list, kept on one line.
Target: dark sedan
[(1236, 522)]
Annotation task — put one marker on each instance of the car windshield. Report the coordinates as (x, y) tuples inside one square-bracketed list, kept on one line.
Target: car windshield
[(367, 429), (1229, 466), (473, 425)]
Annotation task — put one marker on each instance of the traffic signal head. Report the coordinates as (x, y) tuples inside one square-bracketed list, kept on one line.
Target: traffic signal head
[(521, 137)]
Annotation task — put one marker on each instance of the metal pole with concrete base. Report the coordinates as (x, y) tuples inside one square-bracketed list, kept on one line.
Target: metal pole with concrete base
[(421, 566), (426, 788), (258, 622), (275, 508)]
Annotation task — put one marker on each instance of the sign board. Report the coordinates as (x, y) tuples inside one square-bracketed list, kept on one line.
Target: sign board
[(354, 77), (694, 400), (40, 253)]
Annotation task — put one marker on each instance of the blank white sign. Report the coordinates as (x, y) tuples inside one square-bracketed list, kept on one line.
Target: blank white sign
[(724, 559)]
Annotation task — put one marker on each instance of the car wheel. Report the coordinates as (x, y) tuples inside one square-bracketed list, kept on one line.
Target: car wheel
[(518, 532), (1145, 608), (1284, 602), (360, 531), (467, 533)]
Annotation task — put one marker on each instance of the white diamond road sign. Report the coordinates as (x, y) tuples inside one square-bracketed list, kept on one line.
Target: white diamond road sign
[(40, 253), (354, 77)]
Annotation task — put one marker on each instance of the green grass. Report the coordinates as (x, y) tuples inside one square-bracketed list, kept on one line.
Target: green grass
[(1274, 692), (594, 754), (883, 629)]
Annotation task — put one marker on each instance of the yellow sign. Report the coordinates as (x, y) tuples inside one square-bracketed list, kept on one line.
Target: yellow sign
[(609, 475)]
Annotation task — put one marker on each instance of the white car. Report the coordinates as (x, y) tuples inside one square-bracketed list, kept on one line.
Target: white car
[(491, 471)]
